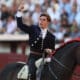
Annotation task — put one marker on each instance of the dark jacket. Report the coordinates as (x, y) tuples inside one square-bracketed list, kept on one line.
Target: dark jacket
[(35, 40)]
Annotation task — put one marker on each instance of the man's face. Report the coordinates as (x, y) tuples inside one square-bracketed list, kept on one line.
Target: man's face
[(43, 22)]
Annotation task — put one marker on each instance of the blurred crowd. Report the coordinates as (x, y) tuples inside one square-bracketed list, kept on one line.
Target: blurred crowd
[(65, 16)]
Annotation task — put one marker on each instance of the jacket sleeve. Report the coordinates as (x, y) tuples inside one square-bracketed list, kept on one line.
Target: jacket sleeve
[(22, 26)]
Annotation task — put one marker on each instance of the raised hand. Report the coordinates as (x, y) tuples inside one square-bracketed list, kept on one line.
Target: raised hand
[(23, 6)]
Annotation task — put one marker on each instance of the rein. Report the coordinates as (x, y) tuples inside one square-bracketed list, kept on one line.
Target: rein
[(51, 71), (53, 74), (62, 65)]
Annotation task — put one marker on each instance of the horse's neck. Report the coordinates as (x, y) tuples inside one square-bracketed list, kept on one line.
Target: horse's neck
[(70, 48), (67, 55)]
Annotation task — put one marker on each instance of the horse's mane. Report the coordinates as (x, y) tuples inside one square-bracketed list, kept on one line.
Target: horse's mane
[(66, 43)]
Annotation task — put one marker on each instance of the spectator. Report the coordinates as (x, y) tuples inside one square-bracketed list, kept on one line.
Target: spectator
[(54, 14), (55, 25), (11, 25), (73, 13), (36, 14), (75, 31), (67, 37), (65, 6), (1, 26), (4, 12), (56, 4)]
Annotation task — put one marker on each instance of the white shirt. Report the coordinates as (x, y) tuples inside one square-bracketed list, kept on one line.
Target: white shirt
[(11, 27), (44, 32), (1, 25)]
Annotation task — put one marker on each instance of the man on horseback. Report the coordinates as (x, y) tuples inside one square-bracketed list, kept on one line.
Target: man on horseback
[(40, 39)]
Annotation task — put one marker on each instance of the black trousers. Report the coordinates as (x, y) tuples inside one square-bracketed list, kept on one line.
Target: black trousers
[(31, 63)]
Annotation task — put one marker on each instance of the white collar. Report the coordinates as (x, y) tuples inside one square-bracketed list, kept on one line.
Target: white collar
[(44, 32)]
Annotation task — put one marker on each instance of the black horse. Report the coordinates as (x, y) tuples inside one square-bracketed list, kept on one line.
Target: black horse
[(61, 67), (63, 62)]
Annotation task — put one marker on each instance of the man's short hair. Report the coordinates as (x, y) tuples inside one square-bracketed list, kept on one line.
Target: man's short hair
[(46, 15)]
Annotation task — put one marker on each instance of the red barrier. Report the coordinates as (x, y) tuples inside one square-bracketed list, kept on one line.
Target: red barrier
[(11, 58)]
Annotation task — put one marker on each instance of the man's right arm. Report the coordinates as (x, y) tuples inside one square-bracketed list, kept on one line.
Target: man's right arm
[(20, 23)]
